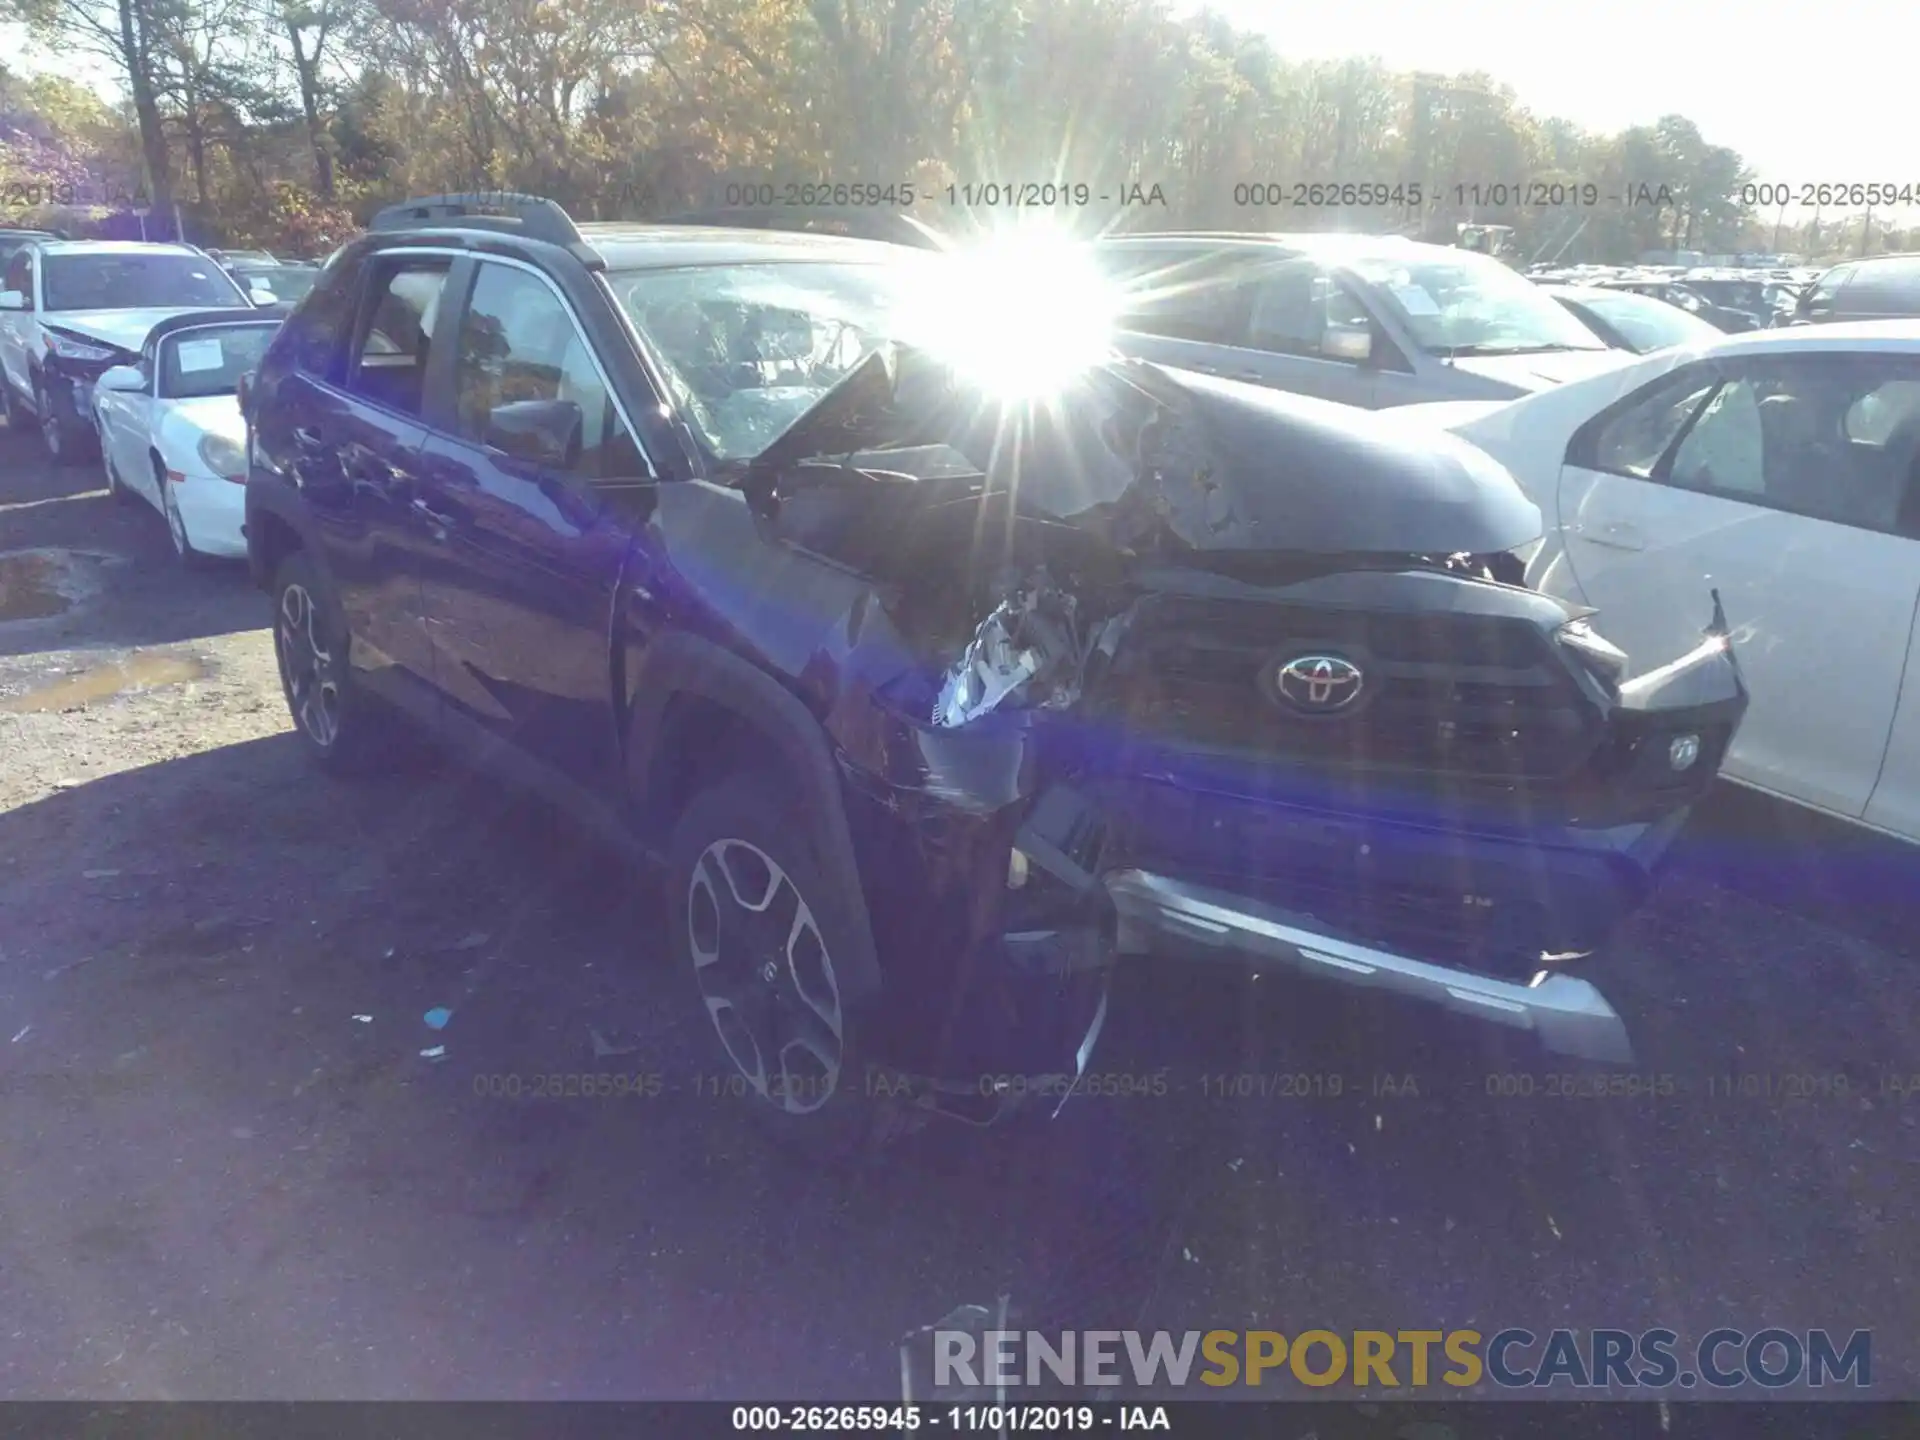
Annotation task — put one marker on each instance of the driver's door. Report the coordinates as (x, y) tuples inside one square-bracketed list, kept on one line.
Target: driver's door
[(126, 425), (519, 581), (1784, 484)]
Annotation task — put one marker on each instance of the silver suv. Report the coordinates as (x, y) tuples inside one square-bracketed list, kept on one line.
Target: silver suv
[(1363, 319)]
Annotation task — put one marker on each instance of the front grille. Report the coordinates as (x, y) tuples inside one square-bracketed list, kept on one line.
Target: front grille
[(1455, 695), (1417, 897)]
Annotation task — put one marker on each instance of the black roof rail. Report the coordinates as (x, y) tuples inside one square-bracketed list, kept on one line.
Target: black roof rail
[(533, 217)]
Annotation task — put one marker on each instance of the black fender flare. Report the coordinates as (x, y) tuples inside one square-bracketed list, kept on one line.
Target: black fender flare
[(275, 498), (678, 663)]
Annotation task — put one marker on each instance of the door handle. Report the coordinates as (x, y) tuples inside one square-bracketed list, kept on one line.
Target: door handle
[(1253, 375), (307, 438), (439, 518), (1614, 535)]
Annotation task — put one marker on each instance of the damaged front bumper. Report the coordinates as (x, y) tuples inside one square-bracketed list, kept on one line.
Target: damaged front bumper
[(1093, 838), (1569, 1016)]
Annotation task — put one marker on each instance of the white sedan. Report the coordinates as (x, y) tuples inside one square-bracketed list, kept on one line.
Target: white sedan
[(171, 430), (1781, 468)]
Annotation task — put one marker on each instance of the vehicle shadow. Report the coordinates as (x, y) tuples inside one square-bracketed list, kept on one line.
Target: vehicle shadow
[(1787, 856), (227, 1101), (106, 576)]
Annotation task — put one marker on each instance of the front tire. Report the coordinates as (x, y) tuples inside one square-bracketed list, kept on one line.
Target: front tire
[(756, 926), (62, 439), (117, 491), (345, 730), (183, 550)]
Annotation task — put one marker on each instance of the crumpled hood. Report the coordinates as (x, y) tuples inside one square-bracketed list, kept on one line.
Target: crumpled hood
[(126, 329), (1151, 460), (1538, 372)]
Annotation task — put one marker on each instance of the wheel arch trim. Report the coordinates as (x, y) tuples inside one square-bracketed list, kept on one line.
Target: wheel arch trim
[(680, 664)]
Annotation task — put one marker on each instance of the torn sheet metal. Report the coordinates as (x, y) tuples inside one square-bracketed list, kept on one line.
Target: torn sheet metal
[(1029, 647)]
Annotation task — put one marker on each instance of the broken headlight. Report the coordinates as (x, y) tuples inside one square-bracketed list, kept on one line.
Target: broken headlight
[(1599, 656), (1027, 649)]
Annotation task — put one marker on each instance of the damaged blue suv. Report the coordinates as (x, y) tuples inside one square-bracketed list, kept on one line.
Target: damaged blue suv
[(930, 702)]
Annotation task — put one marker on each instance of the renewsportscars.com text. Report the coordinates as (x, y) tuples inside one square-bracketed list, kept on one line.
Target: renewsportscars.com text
[(1725, 1359)]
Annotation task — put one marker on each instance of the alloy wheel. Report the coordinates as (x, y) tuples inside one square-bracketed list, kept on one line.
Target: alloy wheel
[(765, 974), (306, 666)]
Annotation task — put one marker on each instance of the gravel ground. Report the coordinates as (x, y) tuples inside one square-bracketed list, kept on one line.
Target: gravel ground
[(230, 1172)]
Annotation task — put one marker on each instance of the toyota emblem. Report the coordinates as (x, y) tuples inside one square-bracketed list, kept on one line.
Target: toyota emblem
[(1317, 684)]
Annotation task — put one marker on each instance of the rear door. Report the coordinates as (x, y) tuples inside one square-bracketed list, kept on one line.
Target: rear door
[(352, 435), (126, 423), (1783, 482), (519, 592)]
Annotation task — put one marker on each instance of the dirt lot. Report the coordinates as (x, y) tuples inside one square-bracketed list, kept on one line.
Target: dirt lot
[(230, 1172)]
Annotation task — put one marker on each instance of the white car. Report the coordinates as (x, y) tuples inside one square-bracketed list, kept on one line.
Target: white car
[(1781, 468), (171, 431), (70, 309)]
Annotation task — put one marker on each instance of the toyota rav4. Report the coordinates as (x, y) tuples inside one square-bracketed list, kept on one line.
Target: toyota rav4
[(929, 698)]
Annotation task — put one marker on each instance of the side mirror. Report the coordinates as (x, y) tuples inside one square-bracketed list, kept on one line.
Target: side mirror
[(542, 432), (124, 378), (12, 300), (1347, 343)]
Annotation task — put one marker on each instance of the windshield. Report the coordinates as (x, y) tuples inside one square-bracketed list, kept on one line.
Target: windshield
[(1733, 294), (1648, 324), (209, 360), (748, 349), (286, 282), (1466, 304), (134, 281)]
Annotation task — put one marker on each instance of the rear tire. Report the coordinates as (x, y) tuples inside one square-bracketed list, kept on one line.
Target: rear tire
[(344, 729), (756, 927)]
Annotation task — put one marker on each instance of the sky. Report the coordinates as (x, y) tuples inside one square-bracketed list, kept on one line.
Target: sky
[(1807, 93)]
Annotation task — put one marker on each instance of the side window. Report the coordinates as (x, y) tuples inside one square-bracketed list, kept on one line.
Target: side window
[(1828, 436), (1631, 440), (317, 332), (1178, 298), (525, 382), (1827, 288), (1724, 451), (389, 365), (1293, 306), (20, 276)]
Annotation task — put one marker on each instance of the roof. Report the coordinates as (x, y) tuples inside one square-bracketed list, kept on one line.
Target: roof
[(118, 247), (1880, 335), (638, 246), (1306, 240)]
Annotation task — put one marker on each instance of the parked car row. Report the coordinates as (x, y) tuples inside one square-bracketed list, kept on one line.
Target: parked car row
[(72, 309), (1881, 287)]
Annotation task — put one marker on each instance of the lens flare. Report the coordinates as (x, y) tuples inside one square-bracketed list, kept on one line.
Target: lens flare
[(1018, 314)]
